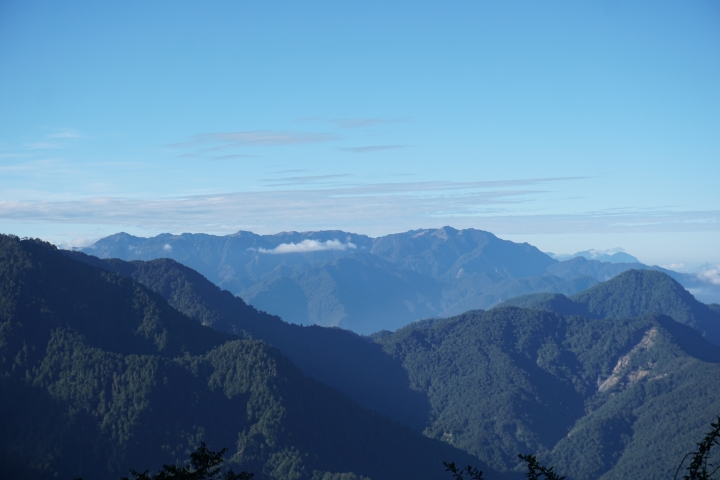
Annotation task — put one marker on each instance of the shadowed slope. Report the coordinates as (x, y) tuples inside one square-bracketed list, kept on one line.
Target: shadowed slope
[(342, 359), (95, 365)]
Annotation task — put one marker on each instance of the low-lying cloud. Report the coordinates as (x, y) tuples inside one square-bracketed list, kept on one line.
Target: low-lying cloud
[(309, 246), (710, 275)]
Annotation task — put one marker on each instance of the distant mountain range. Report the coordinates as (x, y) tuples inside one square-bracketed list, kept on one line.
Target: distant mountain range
[(600, 256), (110, 357), (335, 278)]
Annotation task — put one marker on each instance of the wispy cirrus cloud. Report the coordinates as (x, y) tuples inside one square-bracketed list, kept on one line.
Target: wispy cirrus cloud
[(68, 134), (51, 141), (304, 179), (206, 156), (234, 156), (42, 146), (207, 145), (374, 204), (372, 148), (376, 208), (263, 138), (351, 122)]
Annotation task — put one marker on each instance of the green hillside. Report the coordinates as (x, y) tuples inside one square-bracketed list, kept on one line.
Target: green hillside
[(597, 398), (631, 294), (340, 358), (100, 375)]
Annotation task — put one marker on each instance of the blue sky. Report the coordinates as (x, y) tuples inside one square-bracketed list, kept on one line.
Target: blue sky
[(569, 125)]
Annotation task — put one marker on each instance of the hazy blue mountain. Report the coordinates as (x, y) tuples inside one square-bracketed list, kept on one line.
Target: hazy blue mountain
[(335, 278), (631, 294), (356, 282), (361, 292), (480, 291), (592, 268), (449, 253), (99, 374), (232, 258), (602, 271), (600, 256)]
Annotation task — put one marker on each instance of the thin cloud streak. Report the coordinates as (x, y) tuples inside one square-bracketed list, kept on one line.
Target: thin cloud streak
[(372, 148), (204, 146), (500, 207), (350, 122), (42, 146), (232, 157), (72, 134), (265, 138), (305, 179)]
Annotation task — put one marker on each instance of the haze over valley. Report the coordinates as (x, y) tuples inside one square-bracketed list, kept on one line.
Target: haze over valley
[(335, 278)]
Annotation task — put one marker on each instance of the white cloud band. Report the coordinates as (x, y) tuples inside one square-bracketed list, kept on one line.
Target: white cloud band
[(309, 246)]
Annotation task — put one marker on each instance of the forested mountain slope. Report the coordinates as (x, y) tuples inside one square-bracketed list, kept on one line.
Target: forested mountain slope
[(342, 359), (598, 398), (99, 375), (630, 294)]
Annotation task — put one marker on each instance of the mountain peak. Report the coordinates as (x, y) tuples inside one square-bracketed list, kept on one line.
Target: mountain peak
[(445, 233)]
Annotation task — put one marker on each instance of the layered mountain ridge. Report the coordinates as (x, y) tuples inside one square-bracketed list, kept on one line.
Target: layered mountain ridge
[(596, 397), (335, 278)]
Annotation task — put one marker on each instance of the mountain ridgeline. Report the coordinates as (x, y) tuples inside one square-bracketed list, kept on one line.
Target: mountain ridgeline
[(630, 294), (334, 278), (99, 374)]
